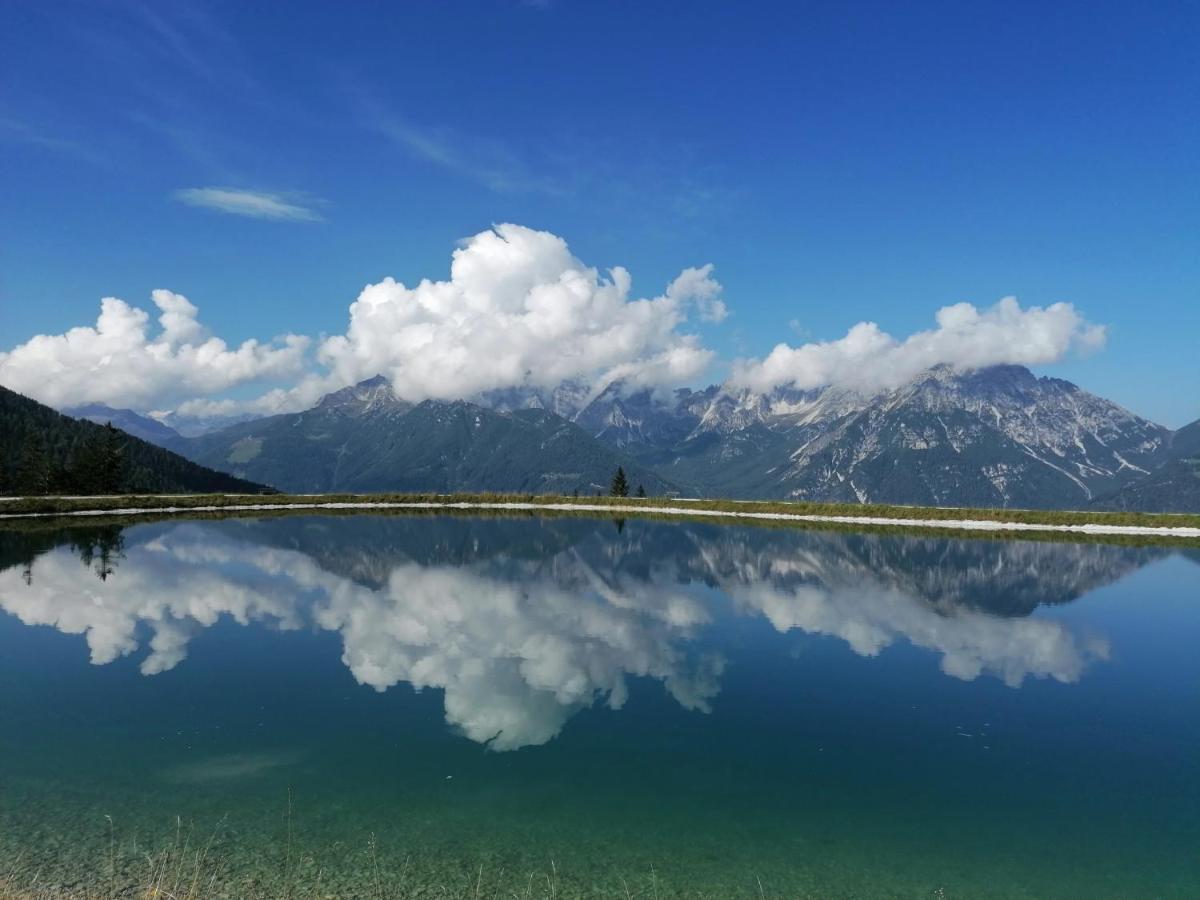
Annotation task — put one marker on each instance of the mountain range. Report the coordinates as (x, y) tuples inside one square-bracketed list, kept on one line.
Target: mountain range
[(365, 439), (992, 437)]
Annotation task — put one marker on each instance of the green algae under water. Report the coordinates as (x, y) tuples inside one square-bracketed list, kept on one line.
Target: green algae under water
[(381, 706)]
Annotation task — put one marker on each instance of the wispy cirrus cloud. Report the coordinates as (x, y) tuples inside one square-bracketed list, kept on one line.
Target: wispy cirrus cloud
[(488, 162), (664, 181), (21, 132), (252, 204)]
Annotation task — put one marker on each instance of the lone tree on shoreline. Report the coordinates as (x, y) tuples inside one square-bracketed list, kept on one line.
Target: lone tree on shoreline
[(620, 486)]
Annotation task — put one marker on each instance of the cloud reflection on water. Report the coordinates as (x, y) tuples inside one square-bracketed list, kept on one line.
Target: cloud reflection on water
[(519, 642)]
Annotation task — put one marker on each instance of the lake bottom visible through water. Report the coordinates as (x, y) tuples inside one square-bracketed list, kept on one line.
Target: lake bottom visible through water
[(391, 706)]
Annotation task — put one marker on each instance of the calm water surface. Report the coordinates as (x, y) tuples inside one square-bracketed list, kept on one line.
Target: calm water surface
[(390, 706)]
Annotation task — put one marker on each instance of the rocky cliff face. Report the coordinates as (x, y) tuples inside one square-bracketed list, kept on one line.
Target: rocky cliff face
[(994, 437)]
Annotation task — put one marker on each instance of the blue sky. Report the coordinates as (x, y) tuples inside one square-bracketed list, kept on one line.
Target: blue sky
[(835, 163)]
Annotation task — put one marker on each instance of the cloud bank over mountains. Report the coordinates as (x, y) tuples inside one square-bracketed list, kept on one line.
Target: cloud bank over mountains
[(518, 310), (869, 359)]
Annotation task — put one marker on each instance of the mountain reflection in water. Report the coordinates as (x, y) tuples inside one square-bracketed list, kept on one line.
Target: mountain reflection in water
[(524, 622)]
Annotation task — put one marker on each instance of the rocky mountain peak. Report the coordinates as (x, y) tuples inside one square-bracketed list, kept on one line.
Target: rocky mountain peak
[(371, 397)]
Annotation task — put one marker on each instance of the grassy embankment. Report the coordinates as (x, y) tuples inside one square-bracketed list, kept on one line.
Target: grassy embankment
[(649, 507), (65, 505)]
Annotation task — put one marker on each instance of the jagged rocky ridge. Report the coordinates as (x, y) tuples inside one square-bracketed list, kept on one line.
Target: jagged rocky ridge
[(994, 437)]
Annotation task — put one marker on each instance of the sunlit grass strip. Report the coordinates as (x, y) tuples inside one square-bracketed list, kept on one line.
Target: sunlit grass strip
[(967, 519), (71, 522)]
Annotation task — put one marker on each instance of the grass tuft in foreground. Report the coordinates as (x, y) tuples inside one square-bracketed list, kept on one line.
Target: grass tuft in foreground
[(210, 869)]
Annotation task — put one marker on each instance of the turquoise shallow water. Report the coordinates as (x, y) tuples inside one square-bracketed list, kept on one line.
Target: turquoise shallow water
[(390, 706)]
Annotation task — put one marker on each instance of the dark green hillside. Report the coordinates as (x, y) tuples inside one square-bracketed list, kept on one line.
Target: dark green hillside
[(1185, 443), (461, 446), (1172, 487), (363, 439), (42, 451)]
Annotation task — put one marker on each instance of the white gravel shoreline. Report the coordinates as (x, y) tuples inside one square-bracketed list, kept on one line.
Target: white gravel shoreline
[(957, 524)]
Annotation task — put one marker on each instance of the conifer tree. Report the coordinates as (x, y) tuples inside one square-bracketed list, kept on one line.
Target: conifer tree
[(110, 461), (620, 487), (641, 491), (33, 469), (99, 466)]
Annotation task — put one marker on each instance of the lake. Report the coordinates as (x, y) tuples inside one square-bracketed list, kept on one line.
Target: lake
[(393, 706)]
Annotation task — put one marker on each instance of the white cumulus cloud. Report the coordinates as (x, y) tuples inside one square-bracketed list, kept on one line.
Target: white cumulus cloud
[(966, 337), (120, 362), (252, 204), (520, 310)]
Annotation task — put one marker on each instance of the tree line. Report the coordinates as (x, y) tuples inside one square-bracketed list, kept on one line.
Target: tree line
[(45, 452), (97, 466)]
